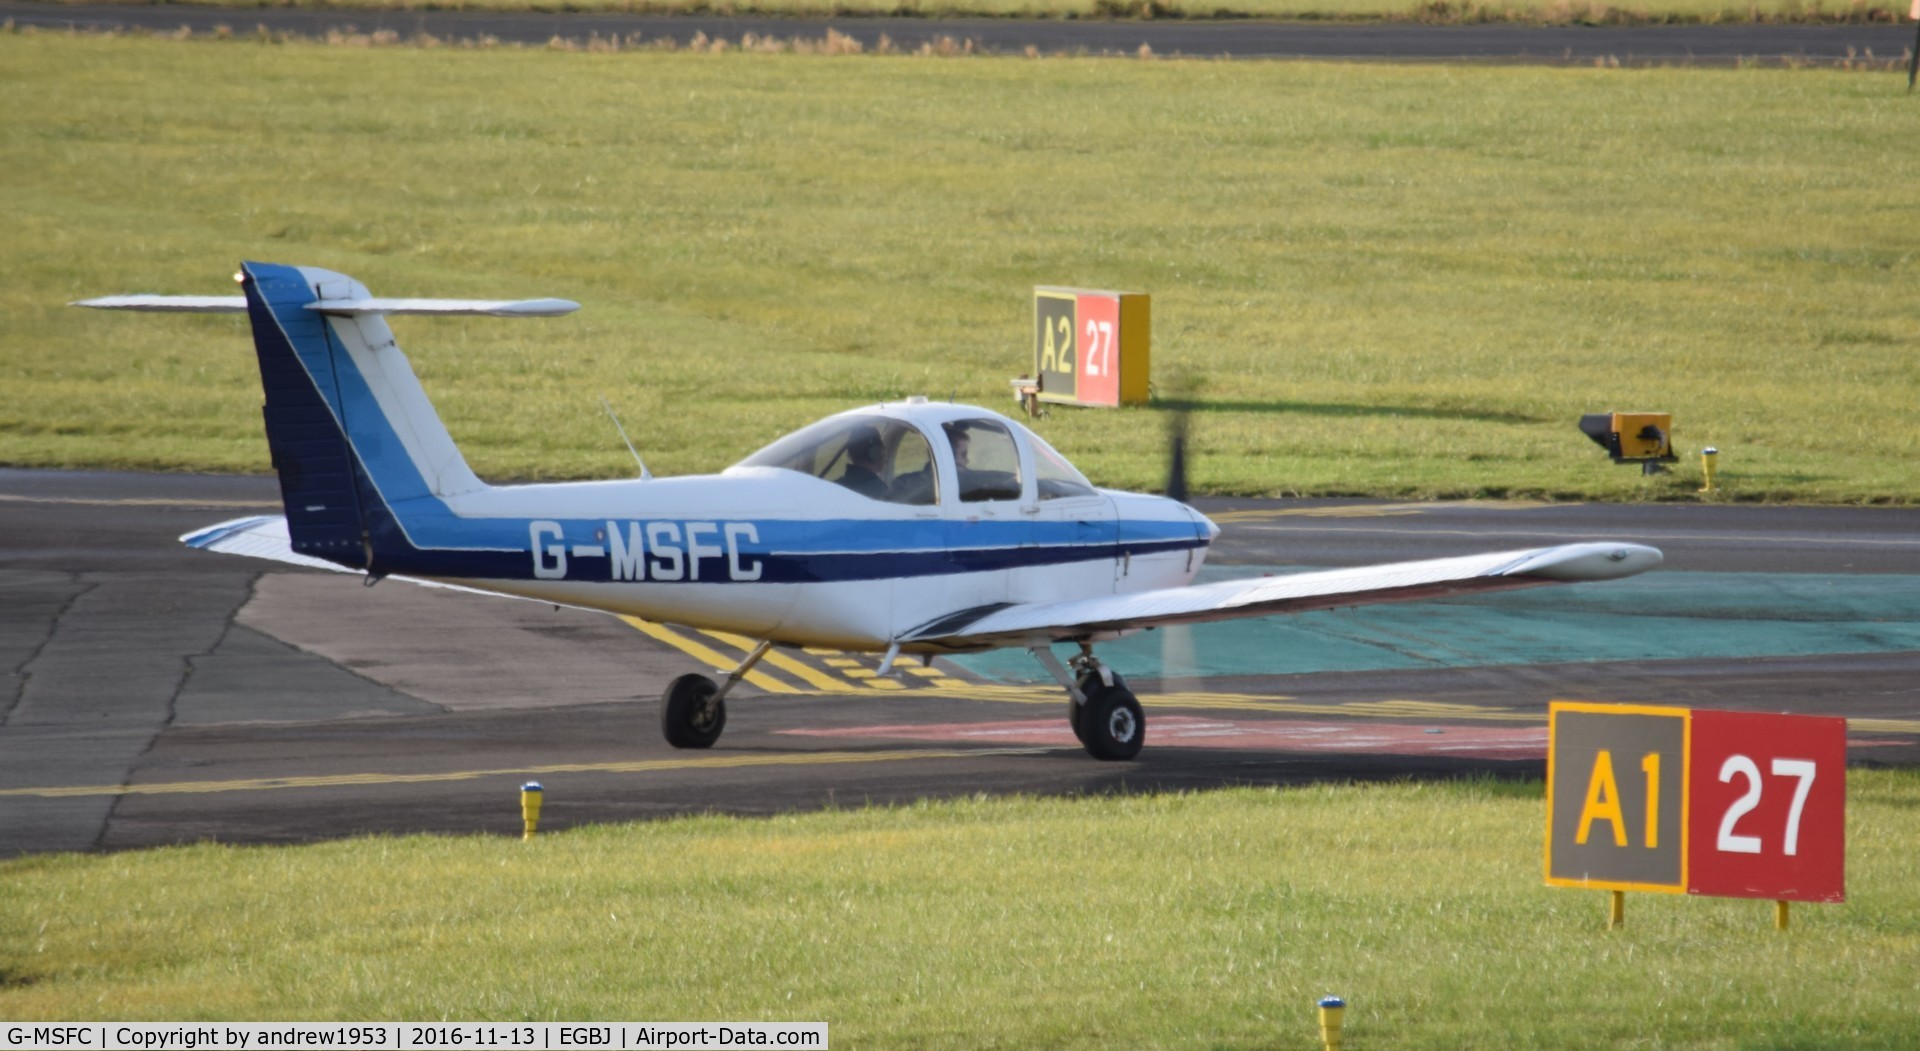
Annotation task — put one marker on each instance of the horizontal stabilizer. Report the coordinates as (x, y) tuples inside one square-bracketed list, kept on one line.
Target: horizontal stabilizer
[(342, 307), (265, 536), (468, 307), (260, 536), (170, 304)]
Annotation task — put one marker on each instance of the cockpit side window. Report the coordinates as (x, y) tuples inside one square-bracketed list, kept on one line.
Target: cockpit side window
[(987, 459), (877, 457), (912, 479)]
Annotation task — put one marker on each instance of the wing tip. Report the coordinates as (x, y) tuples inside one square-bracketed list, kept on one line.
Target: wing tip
[(1574, 563)]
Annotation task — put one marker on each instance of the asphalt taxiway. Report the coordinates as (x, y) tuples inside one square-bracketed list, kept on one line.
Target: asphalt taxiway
[(151, 695)]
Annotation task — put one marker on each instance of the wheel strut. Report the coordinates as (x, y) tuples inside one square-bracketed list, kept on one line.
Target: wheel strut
[(1044, 654), (740, 671), (1087, 662)]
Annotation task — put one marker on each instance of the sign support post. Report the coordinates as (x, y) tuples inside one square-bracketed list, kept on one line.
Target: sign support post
[(1913, 60)]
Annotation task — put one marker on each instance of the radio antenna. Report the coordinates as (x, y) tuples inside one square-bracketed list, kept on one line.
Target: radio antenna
[(645, 475)]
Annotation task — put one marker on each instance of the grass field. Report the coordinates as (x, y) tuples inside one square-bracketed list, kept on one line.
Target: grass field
[(1203, 921), (1558, 12), (1385, 280)]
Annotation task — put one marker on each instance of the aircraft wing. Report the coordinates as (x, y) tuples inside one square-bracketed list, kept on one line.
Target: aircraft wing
[(1038, 623)]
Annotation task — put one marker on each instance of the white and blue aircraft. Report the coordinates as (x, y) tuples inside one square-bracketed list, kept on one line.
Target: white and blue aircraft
[(906, 528)]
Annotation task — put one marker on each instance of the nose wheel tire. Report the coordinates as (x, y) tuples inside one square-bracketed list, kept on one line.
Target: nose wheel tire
[(1111, 724), (690, 717)]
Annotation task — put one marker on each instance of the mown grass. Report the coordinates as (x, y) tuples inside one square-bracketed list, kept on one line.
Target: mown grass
[(1385, 280), (1547, 12), (1209, 920)]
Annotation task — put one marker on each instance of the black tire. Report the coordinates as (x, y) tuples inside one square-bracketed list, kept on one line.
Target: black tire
[(686, 717), (1112, 726), (1090, 687)]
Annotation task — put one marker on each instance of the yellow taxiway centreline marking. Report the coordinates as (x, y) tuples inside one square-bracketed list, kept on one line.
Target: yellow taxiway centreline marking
[(1369, 511), (715, 762), (1885, 726), (1557, 532), (130, 501), (700, 652)]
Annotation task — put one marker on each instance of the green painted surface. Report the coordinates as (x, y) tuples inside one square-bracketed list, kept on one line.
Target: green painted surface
[(1660, 616)]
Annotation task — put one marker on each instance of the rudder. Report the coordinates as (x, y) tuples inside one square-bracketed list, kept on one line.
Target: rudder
[(318, 476)]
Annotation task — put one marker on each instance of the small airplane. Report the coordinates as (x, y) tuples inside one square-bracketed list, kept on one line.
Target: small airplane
[(911, 527)]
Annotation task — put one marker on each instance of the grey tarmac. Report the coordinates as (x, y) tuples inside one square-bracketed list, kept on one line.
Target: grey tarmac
[(154, 695), (1206, 38)]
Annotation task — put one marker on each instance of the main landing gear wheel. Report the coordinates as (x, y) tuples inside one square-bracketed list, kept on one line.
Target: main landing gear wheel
[(1111, 724), (1089, 684), (691, 715)]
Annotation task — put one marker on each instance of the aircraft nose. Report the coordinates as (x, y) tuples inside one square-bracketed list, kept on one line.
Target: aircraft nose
[(1213, 531)]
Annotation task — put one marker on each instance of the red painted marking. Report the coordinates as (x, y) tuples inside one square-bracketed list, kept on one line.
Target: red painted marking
[(1274, 735), (1471, 742)]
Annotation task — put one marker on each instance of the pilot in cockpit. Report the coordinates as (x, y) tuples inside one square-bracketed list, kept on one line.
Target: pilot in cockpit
[(866, 458)]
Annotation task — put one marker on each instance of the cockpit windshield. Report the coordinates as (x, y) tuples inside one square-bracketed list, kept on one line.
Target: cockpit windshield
[(1053, 475), (877, 457)]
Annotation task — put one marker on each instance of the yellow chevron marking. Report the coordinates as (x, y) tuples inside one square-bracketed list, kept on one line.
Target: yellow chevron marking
[(807, 673), (854, 674), (703, 654), (711, 762)]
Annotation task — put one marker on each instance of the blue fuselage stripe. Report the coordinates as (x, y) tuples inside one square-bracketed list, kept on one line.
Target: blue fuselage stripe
[(720, 563)]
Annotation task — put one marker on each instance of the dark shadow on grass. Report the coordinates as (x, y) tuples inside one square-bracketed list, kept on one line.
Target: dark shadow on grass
[(1344, 409)]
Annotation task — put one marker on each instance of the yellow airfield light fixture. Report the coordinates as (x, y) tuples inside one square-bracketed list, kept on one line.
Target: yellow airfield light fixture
[(531, 796), (1331, 1009)]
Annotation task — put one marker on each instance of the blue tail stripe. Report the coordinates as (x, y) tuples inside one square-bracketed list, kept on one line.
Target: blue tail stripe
[(345, 393)]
